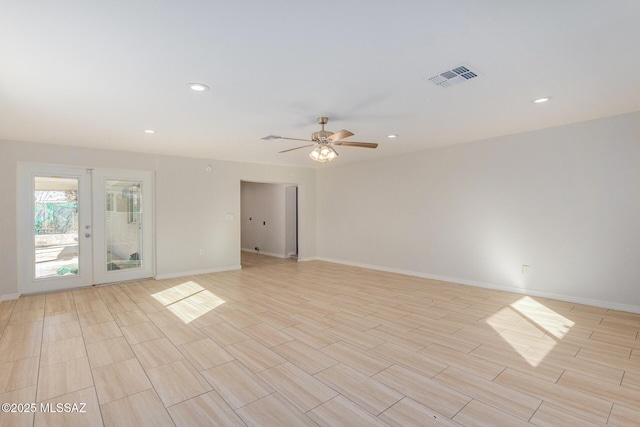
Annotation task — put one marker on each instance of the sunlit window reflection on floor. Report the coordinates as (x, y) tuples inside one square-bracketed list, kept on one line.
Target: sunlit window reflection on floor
[(533, 322), (188, 301)]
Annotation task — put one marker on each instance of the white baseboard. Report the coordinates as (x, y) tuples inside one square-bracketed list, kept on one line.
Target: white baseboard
[(569, 298), (196, 272), (272, 254), (309, 258), (9, 297), (263, 253)]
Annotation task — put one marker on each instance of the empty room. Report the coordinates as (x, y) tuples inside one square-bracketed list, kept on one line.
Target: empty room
[(344, 213)]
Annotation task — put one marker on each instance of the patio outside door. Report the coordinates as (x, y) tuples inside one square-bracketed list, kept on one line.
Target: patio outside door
[(58, 244)]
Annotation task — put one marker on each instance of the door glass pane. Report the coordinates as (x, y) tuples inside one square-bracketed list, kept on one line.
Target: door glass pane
[(55, 226), (123, 224)]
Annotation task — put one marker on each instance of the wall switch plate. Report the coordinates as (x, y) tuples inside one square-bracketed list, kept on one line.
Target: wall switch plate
[(526, 269), (201, 252)]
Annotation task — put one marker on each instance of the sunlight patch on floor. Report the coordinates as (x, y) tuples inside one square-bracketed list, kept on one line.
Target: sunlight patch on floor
[(188, 301), (540, 328), (177, 292), (552, 322)]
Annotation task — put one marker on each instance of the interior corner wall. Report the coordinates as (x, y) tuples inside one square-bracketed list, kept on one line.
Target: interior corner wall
[(191, 205), (290, 220), (565, 201), (262, 208)]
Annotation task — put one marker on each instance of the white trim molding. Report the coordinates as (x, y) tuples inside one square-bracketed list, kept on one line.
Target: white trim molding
[(9, 297), (263, 253)]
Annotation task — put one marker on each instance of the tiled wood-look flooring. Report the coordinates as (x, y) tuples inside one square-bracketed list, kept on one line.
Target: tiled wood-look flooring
[(297, 344)]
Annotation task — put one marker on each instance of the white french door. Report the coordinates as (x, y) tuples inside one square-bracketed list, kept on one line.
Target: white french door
[(122, 225), (79, 227), (54, 223)]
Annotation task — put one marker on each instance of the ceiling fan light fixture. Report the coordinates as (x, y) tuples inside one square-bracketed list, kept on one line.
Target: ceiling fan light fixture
[(323, 153), (331, 155), (315, 154)]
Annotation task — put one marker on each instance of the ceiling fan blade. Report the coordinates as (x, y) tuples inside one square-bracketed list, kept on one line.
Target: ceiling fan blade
[(357, 144), (297, 148), (341, 134), (296, 139)]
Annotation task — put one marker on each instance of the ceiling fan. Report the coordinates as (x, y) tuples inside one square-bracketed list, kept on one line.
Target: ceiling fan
[(324, 142)]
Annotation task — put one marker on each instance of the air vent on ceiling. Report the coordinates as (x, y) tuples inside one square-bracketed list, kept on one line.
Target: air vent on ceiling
[(454, 76)]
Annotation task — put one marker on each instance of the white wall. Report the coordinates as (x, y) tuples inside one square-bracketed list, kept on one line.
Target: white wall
[(265, 205), (290, 214), (191, 204), (565, 201)]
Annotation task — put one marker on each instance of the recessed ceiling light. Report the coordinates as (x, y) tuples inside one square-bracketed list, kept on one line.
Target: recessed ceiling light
[(198, 87), (541, 100), (149, 131), (393, 135)]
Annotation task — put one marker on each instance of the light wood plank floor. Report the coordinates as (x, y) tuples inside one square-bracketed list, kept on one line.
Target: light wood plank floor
[(292, 344)]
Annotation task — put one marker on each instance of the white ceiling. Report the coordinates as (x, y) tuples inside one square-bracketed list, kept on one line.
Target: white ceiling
[(98, 73)]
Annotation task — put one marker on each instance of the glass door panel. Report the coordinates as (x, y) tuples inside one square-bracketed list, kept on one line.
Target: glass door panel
[(55, 233), (123, 224)]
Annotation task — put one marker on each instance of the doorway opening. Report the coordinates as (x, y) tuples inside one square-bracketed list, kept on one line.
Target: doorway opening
[(269, 223)]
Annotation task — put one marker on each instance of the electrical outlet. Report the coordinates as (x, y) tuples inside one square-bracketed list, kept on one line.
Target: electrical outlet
[(526, 269), (201, 252)]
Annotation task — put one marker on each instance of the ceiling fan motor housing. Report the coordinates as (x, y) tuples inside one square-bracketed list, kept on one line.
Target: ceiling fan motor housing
[(321, 135)]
